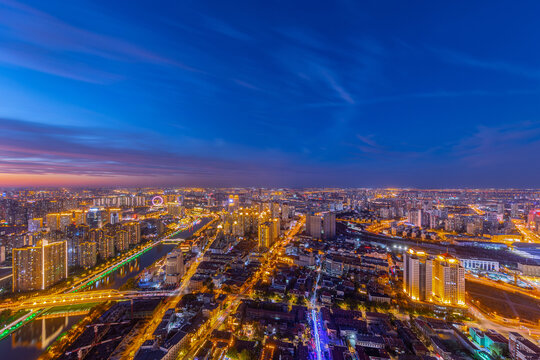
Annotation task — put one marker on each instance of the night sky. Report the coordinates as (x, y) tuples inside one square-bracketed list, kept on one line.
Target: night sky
[(270, 93)]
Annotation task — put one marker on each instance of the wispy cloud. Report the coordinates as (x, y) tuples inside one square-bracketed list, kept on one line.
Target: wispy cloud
[(28, 148), (435, 94), (500, 148), (338, 88), (223, 28), (465, 59), (39, 41)]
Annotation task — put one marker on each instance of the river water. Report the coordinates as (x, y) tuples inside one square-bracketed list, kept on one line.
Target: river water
[(32, 340)]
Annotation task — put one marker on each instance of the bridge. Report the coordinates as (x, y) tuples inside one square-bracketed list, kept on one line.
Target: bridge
[(86, 297)]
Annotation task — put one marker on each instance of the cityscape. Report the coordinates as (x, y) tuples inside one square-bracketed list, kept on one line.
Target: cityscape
[(255, 273), (277, 180)]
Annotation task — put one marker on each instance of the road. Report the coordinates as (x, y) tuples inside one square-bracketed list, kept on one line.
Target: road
[(528, 235), (315, 318), (234, 300), (533, 294), (504, 329), (169, 303), (85, 297)]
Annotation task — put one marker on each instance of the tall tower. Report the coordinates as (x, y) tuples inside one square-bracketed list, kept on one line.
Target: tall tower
[(417, 275), (39, 267)]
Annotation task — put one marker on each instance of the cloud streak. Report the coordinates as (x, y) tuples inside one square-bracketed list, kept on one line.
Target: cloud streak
[(461, 58), (36, 40)]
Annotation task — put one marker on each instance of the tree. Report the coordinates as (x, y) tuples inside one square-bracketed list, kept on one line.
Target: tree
[(232, 353), (245, 355), (4, 315)]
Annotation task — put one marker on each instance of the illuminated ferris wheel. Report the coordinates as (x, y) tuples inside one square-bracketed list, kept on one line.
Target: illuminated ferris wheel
[(157, 201)]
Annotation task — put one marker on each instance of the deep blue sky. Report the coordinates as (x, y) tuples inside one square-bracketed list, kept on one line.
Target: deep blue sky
[(289, 93)]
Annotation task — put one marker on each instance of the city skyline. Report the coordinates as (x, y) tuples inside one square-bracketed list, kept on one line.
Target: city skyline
[(290, 95)]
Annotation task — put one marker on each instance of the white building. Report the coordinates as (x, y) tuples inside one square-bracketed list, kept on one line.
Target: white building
[(476, 264)]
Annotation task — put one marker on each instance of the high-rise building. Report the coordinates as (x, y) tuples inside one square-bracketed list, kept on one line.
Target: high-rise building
[(275, 209), (93, 218), (514, 210), (121, 241), (416, 217), (233, 203), (106, 248), (448, 280), (313, 226), (417, 275), (267, 234), (79, 217), (39, 267), (104, 243), (73, 250), (87, 254), (133, 229), (287, 212), (329, 225), (174, 267), (114, 215)]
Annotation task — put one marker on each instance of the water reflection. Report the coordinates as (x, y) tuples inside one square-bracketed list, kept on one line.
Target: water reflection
[(41, 333), (32, 339)]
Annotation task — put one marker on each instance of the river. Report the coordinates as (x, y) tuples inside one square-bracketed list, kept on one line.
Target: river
[(31, 340)]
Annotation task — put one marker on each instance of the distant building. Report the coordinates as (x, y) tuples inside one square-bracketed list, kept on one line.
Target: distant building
[(114, 215), (533, 220), (39, 267), (35, 224), (53, 221), (175, 209), (64, 220), (514, 210), (329, 226), (415, 217), (313, 226)]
